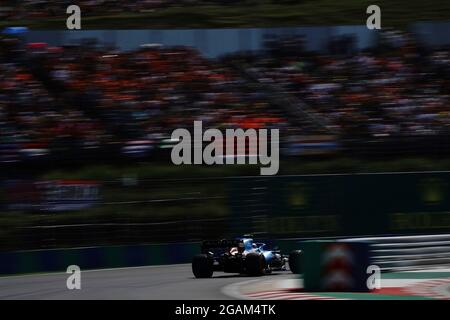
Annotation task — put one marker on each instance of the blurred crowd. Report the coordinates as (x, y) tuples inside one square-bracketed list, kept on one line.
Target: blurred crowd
[(156, 89), (32, 120), (396, 89), (21, 9), (88, 96)]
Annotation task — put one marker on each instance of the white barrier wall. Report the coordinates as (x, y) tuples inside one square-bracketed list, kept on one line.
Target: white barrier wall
[(409, 252)]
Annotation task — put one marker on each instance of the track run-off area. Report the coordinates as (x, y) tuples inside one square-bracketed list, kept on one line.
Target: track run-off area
[(176, 282)]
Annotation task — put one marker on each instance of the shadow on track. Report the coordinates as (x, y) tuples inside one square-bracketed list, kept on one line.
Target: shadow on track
[(243, 276)]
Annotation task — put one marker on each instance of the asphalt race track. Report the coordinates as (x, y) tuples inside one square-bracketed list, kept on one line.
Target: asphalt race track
[(152, 282), (176, 282)]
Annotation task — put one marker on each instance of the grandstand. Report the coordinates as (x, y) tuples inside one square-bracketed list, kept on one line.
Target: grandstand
[(88, 100)]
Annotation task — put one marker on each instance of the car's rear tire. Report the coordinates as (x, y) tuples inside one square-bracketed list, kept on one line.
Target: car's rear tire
[(255, 264), (295, 261), (202, 266)]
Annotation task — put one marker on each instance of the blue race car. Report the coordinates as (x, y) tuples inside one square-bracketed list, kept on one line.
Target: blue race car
[(241, 255)]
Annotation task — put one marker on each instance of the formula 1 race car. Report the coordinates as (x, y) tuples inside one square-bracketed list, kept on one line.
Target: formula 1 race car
[(241, 255)]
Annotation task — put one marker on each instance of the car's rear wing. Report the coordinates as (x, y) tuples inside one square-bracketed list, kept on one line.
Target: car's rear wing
[(222, 244)]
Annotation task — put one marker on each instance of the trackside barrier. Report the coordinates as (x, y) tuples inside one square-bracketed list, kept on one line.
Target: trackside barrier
[(396, 253), (409, 252), (390, 253), (18, 262), (48, 260)]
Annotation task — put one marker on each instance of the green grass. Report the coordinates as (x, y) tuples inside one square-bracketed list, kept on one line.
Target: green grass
[(252, 13)]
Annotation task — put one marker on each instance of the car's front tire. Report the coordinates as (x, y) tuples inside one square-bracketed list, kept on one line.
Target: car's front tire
[(202, 266)]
